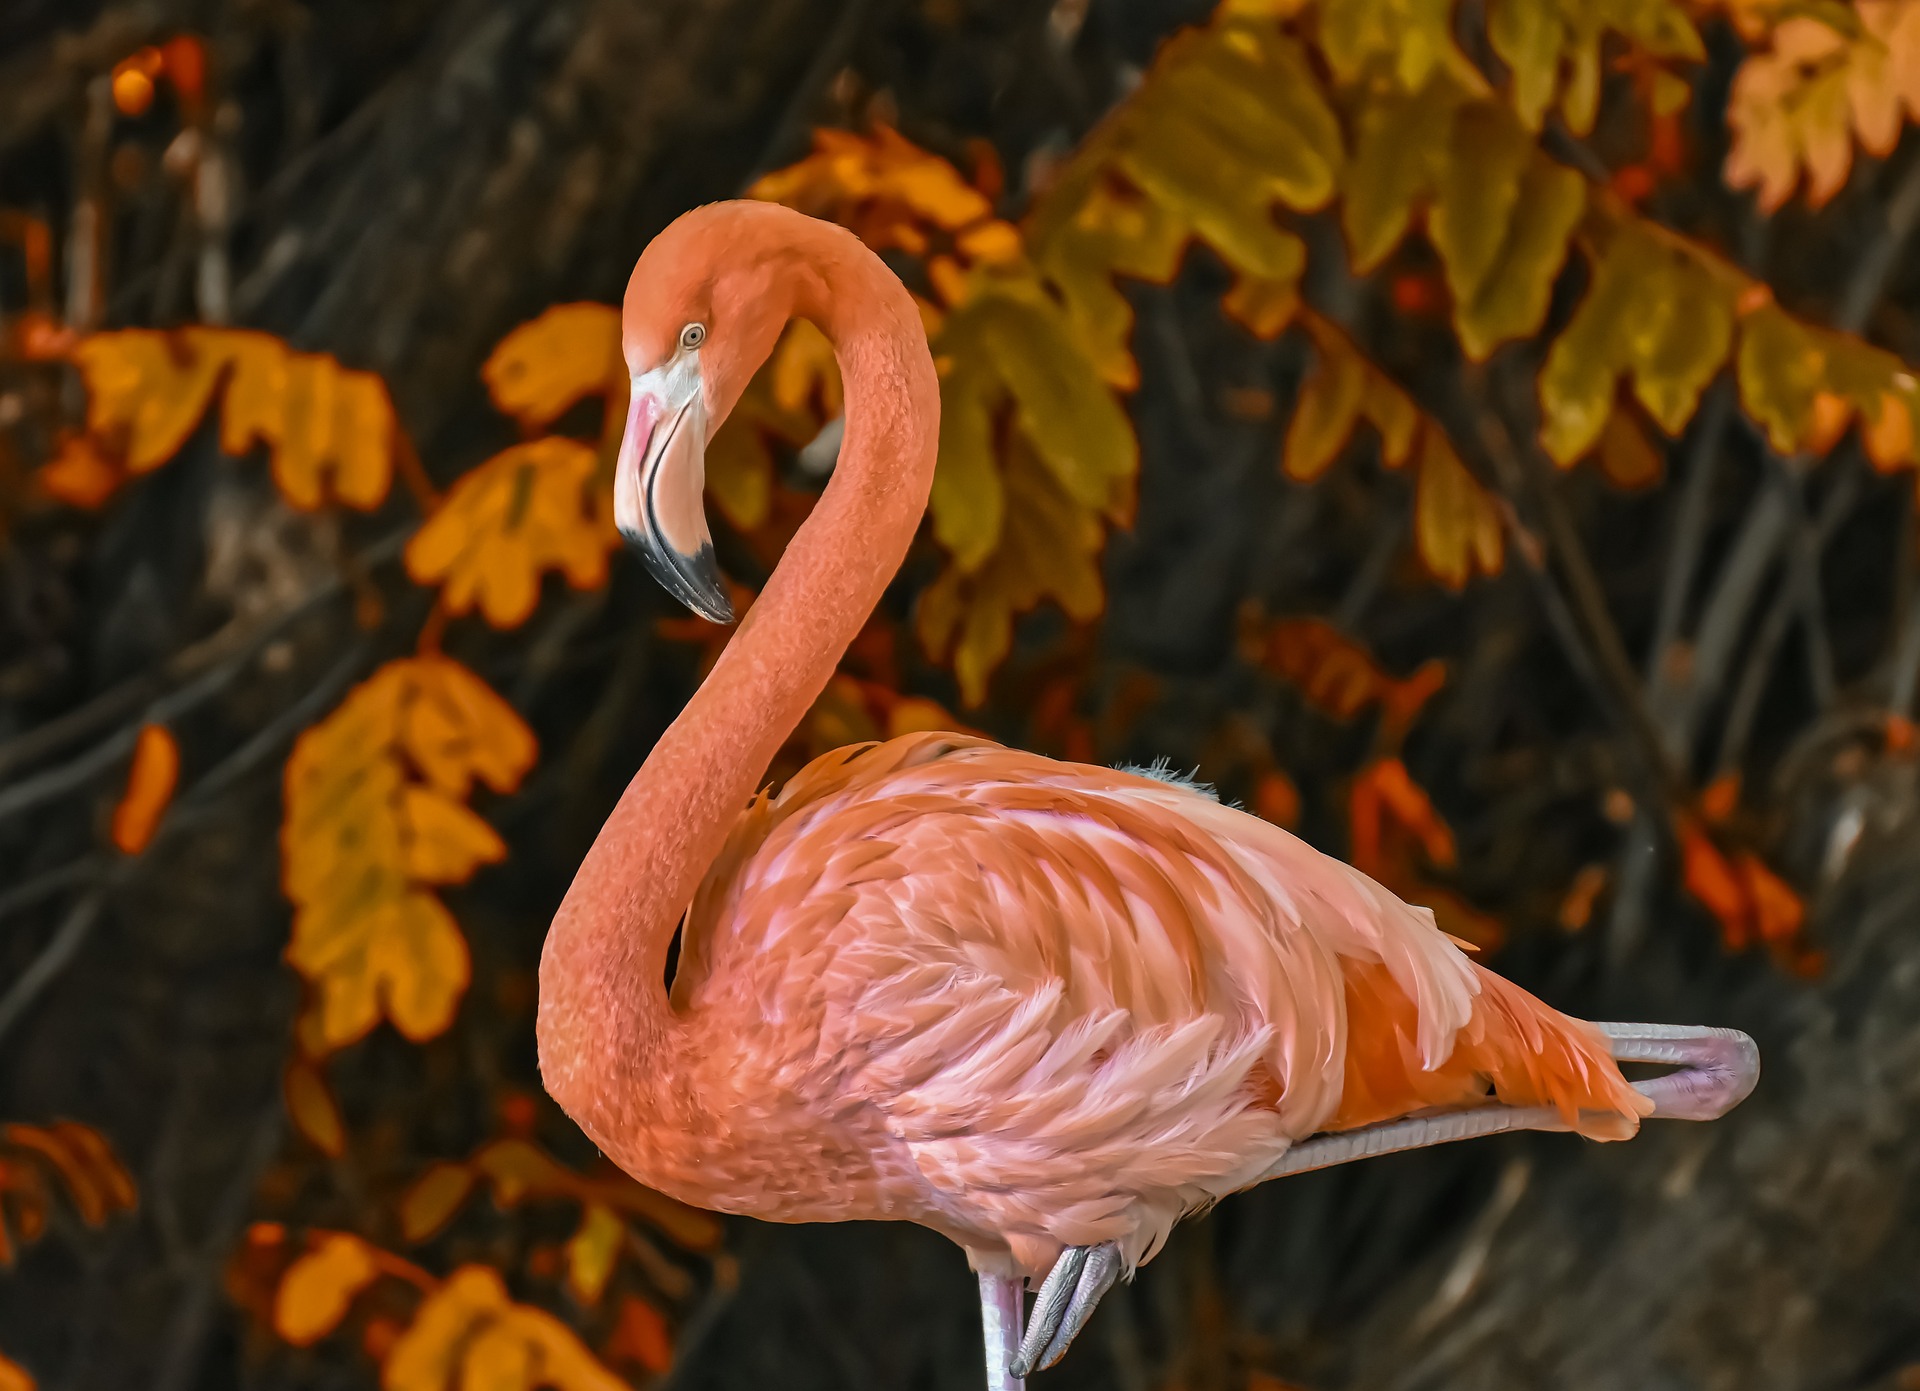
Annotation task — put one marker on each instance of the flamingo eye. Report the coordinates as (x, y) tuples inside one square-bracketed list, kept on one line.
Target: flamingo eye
[(692, 336)]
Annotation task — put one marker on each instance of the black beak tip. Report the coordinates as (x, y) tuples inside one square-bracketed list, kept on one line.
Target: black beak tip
[(692, 579)]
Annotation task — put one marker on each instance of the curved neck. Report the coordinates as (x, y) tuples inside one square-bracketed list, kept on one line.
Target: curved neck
[(605, 1026)]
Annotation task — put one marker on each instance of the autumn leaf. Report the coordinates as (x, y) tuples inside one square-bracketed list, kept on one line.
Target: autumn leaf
[(1626, 456), (1805, 385), (1499, 212), (529, 509), (469, 1335), (1457, 525), (1394, 831), (331, 431), (1654, 316), (433, 1199), (1455, 521), (1336, 674), (310, 1103), (641, 1336), (146, 392), (542, 368), (1228, 122), (317, 1289), (1276, 799), (1049, 548), (786, 404), (1386, 802), (85, 1163), (893, 195), (592, 1251), (373, 818), (81, 472), (1800, 104), (1540, 40), (1751, 902), (1343, 389), (1014, 353), (150, 784)]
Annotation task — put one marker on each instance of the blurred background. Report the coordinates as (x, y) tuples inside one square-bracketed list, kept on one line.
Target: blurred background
[(1478, 436)]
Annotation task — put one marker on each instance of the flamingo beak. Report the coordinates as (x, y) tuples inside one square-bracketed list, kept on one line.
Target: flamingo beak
[(659, 487)]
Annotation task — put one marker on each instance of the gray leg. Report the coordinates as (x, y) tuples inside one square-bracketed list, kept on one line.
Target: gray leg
[(1073, 1287), (1000, 1301)]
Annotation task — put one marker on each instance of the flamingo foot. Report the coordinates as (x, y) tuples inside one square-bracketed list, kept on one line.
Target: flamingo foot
[(1716, 1068), (1066, 1301), (1000, 1301)]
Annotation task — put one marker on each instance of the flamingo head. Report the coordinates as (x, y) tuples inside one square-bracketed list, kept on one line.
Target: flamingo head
[(705, 306)]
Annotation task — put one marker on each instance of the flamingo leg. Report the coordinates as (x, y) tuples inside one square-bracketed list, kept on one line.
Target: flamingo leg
[(1000, 1305), (1067, 1299)]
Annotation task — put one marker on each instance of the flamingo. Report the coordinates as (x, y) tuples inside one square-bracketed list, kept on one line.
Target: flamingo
[(1043, 1008)]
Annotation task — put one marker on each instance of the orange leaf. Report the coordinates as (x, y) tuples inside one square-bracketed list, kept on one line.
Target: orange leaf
[(526, 510), (1576, 909), (433, 1199), (539, 370), (1720, 797), (369, 822), (519, 1168), (80, 474), (1338, 676), (150, 783), (1778, 913), (1455, 521), (146, 391), (641, 1336), (1276, 799), (315, 1113), (86, 1164), (468, 1334), (592, 1252), (1627, 456), (14, 1377), (332, 430), (1386, 798), (1713, 882), (319, 1287)]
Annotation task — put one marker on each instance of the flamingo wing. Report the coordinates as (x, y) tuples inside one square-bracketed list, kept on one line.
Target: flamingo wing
[(1083, 1001)]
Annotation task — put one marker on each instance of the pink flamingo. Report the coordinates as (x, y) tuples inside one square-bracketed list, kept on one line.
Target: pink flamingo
[(1042, 1008)]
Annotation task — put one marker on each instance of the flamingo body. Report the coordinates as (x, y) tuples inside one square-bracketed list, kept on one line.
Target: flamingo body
[(1043, 1008), (1035, 1005)]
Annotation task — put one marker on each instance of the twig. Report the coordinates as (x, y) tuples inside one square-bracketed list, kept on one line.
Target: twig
[(1374, 567), (45, 968), (230, 641), (700, 1325), (1807, 540), (192, 1321), (1590, 603), (57, 781), (795, 118), (1690, 530), (45, 885), (79, 923), (1870, 273), (1906, 665), (1738, 726), (1727, 608)]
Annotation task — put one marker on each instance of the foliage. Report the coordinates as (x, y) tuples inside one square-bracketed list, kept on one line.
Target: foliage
[(150, 784), (375, 816), (36, 1163)]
